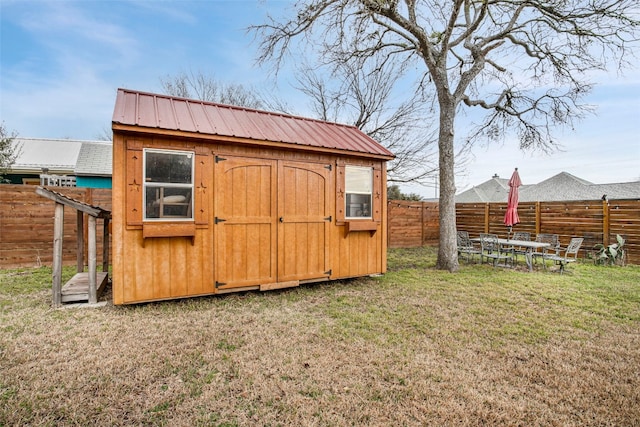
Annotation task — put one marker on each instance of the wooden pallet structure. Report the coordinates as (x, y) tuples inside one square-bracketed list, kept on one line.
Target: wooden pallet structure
[(83, 286)]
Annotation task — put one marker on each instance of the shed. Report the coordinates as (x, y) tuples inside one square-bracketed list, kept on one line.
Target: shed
[(211, 198)]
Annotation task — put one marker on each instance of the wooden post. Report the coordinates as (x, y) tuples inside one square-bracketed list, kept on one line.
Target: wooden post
[(80, 241), (58, 233), (93, 288), (421, 223), (486, 217), (105, 245), (538, 218), (605, 223)]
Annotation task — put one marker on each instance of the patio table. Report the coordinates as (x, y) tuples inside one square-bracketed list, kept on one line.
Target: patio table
[(529, 245)]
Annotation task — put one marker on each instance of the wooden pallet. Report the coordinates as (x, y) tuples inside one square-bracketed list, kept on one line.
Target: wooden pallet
[(77, 289)]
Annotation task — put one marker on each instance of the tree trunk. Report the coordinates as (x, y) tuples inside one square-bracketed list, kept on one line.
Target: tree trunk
[(447, 251)]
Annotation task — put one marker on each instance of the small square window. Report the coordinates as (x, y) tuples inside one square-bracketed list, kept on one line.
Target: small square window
[(358, 190), (168, 185)]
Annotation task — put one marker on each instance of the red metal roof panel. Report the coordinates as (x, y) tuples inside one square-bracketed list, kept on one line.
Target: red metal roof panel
[(184, 119), (200, 118), (165, 112)]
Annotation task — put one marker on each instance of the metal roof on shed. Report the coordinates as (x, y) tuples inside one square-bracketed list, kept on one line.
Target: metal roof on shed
[(150, 110)]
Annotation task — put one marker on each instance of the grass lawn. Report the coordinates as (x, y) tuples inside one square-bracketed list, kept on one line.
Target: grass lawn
[(414, 347)]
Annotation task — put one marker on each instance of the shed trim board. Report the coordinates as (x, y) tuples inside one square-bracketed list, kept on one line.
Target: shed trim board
[(265, 214)]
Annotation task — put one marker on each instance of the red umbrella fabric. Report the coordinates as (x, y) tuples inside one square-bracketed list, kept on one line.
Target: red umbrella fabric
[(511, 216)]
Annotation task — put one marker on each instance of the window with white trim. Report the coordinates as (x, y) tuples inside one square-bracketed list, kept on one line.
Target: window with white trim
[(168, 184), (358, 191)]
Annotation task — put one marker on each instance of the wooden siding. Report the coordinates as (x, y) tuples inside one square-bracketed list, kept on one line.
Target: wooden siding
[(26, 224)]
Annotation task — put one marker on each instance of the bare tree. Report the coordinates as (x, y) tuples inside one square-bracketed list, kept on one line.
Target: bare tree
[(364, 95), (9, 152), (525, 62), (106, 134), (208, 88)]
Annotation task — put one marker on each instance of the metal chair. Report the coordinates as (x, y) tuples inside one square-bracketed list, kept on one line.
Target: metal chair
[(553, 249), (491, 250), (570, 254), (517, 250), (466, 246)]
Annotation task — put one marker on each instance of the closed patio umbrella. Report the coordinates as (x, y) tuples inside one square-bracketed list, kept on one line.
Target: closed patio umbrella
[(511, 216)]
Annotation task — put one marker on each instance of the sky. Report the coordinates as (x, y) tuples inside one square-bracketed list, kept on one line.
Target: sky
[(61, 63)]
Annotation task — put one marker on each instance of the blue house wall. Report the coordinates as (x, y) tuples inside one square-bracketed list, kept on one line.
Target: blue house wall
[(93, 181)]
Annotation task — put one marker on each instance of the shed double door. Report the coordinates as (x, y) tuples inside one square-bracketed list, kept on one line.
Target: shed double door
[(272, 221)]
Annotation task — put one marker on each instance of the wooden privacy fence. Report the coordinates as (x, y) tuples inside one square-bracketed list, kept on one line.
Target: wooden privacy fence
[(27, 223), (413, 224)]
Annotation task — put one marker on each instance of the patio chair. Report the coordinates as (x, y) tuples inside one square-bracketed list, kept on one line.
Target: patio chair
[(517, 250), (570, 253), (491, 250), (466, 246), (553, 249)]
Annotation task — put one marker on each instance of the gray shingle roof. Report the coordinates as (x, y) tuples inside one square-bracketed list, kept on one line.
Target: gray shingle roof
[(494, 190), (95, 159), (560, 187)]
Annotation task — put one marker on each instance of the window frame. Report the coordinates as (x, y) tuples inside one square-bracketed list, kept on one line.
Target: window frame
[(146, 185), (347, 193)]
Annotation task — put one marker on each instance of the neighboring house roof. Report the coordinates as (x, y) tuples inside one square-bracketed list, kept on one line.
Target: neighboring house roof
[(95, 159), (561, 187), (34, 154), (178, 114), (493, 190), (63, 156)]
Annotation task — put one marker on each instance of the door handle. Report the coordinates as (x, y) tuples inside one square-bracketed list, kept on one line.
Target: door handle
[(281, 219)]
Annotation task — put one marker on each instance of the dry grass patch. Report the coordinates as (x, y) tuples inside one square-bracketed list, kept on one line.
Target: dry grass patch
[(416, 347)]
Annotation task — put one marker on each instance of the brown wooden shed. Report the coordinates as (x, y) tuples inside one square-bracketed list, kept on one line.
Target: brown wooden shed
[(211, 198)]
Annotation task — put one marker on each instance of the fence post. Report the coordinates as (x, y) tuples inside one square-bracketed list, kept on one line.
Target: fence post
[(538, 218), (605, 222), (486, 217), (421, 223)]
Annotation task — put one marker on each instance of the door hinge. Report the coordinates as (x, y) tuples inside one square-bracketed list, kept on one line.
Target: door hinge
[(217, 220), (220, 159), (329, 272), (328, 167), (329, 218), (218, 284)]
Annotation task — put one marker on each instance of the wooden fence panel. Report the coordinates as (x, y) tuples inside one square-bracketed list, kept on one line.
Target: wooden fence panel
[(411, 224), (595, 220), (430, 223), (571, 219), (404, 224), (26, 225), (471, 217), (624, 219)]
